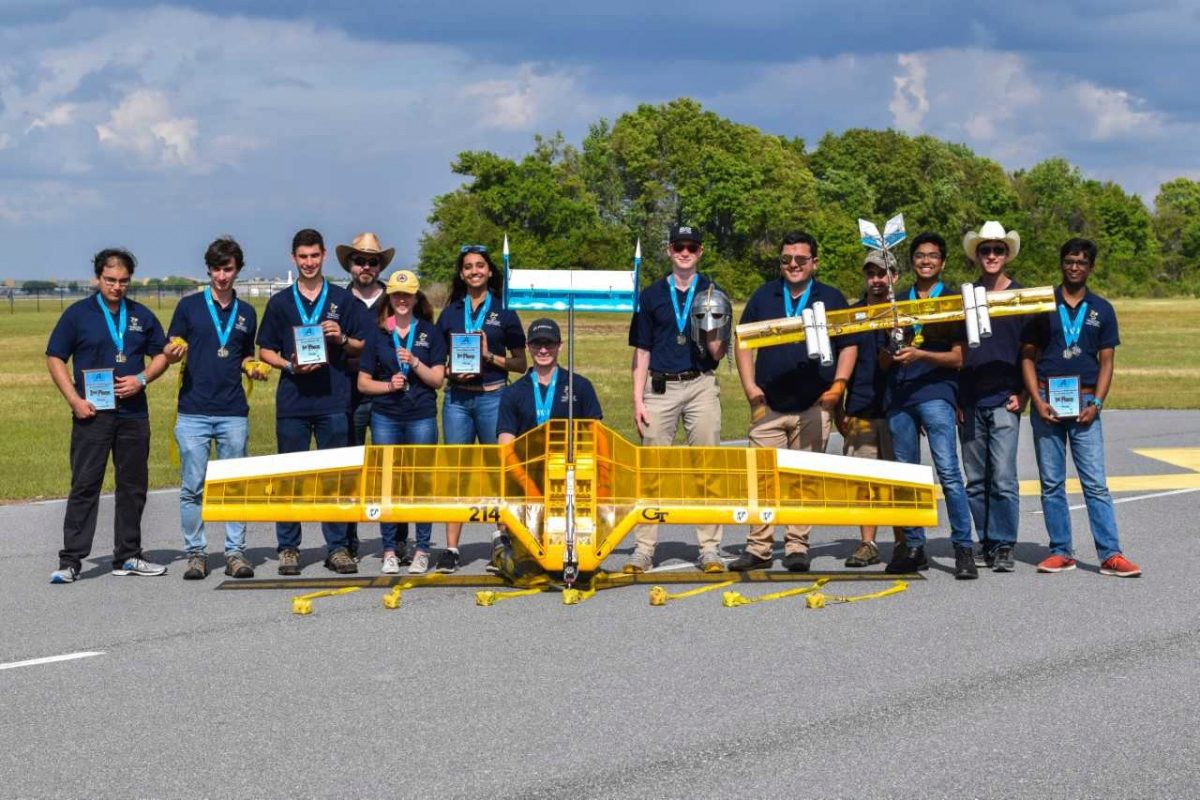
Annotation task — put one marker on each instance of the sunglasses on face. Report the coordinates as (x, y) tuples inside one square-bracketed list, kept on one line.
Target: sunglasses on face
[(363, 261), (538, 346), (993, 250), (472, 248), (690, 247), (801, 261)]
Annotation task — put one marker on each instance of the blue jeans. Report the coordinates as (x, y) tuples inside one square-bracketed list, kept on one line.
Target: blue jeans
[(385, 430), (1087, 451), (470, 416), (195, 434), (293, 435), (989, 453), (938, 419)]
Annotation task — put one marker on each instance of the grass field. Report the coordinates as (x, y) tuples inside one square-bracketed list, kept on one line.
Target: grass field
[(1155, 369)]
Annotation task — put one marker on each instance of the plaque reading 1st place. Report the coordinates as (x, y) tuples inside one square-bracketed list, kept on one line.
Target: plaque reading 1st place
[(99, 389), (310, 345), (1064, 396), (466, 353)]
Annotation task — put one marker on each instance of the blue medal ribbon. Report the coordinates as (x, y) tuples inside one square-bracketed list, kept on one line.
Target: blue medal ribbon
[(936, 291), (472, 322), (318, 309), (1072, 327), (543, 404), (223, 334), (682, 315), (116, 329), (788, 308), (408, 343)]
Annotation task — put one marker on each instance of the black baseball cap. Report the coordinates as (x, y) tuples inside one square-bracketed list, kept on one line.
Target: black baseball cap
[(684, 233), (544, 330)]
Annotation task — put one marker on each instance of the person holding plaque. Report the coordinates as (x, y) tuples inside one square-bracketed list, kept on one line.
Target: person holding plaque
[(107, 338), (1067, 362), (792, 397), (215, 332), (403, 364), (674, 377), (308, 332), (922, 394), (485, 343)]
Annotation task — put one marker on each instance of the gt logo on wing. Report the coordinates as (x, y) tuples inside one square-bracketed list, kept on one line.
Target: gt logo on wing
[(654, 515)]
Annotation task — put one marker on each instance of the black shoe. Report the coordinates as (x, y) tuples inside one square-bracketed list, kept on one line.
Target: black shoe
[(796, 562), (402, 553), (352, 550), (906, 560), (748, 561), (447, 562), (1002, 560), (964, 564)]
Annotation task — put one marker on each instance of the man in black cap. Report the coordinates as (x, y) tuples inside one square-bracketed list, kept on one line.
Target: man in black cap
[(542, 394)]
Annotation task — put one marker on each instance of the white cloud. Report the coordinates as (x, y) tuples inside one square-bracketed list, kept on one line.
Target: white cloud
[(909, 103), (142, 124), (1114, 112), (59, 115)]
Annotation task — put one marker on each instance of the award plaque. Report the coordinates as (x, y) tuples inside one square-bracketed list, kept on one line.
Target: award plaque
[(466, 353), (99, 390), (1064, 396), (310, 345)]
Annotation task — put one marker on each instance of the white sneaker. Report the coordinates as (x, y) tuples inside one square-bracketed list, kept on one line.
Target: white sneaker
[(391, 565), (420, 563), (64, 575), (139, 566)]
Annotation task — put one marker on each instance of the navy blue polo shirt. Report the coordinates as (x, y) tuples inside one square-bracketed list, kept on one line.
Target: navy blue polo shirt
[(992, 371), (912, 384), (1099, 333), (379, 361), (790, 379), (81, 336), (518, 409), (502, 329), (212, 386), (653, 328), (868, 383), (327, 390)]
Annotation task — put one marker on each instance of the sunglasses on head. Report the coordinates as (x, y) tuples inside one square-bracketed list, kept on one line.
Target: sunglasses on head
[(993, 250), (363, 261), (691, 247), (472, 248)]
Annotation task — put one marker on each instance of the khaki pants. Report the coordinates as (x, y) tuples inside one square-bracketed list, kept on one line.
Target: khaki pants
[(868, 438), (698, 403), (801, 430)]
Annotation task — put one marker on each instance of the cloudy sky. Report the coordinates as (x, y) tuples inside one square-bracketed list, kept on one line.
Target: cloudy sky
[(158, 127)]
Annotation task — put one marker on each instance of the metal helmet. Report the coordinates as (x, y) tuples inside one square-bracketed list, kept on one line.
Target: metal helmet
[(711, 311)]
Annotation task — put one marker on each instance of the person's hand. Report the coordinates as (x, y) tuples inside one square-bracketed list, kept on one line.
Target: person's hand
[(831, 396), (1087, 415), (332, 330), (960, 416), (641, 418), (82, 409), (304, 369), (127, 386), (758, 405), (175, 350), (1013, 403), (1044, 411), (405, 357), (256, 370), (842, 423), (398, 382), (908, 355)]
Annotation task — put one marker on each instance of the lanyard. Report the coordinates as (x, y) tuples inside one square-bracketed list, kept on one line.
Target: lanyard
[(795, 310), (1072, 327), (223, 334), (936, 291), (408, 343), (681, 316), (543, 404), (472, 322), (310, 319), (116, 330)]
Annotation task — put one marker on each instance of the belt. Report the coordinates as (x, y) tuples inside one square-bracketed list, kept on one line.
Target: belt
[(689, 375), (476, 388)]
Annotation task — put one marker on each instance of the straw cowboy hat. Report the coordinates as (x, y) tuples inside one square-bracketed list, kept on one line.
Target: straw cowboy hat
[(992, 231), (366, 244)]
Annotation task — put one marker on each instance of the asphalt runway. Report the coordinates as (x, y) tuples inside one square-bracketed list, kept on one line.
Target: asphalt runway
[(1017, 685)]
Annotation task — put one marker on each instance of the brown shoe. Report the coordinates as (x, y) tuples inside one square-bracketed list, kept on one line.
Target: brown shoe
[(864, 555), (289, 561), (197, 568), (236, 566), (340, 562)]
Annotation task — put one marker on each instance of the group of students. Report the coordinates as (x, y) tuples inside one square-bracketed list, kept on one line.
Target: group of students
[(386, 358)]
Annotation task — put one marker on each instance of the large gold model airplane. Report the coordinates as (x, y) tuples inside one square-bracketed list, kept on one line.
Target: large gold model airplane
[(524, 485)]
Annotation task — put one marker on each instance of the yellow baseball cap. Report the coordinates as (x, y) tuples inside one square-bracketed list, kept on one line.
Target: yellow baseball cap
[(403, 280)]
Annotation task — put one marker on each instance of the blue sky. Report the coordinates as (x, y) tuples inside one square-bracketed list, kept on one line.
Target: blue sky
[(158, 127)]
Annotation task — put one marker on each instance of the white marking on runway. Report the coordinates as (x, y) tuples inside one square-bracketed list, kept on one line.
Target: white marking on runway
[(103, 496), (684, 565), (35, 662), (1134, 499)]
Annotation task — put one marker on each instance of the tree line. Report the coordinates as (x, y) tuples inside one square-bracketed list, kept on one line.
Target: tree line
[(583, 207)]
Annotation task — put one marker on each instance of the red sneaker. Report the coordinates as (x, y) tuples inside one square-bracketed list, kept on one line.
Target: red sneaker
[(1120, 566), (1058, 564)]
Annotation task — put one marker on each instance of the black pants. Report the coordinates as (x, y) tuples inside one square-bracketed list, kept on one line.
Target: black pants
[(91, 441), (360, 421)]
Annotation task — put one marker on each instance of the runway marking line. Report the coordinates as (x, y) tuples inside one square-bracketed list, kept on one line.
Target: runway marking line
[(36, 662)]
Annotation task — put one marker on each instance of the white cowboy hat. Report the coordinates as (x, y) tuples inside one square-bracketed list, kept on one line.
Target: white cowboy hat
[(992, 231), (366, 244)]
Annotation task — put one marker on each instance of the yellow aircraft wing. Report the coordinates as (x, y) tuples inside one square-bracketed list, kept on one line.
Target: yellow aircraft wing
[(947, 308), (523, 484)]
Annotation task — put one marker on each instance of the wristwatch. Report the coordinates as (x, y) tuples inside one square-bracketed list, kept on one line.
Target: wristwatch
[(1097, 402), (344, 339), (141, 376)]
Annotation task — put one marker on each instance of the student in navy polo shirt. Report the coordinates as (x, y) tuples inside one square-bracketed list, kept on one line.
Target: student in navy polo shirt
[(522, 408), (403, 365), (791, 396), (312, 400), (862, 420), (991, 397), (218, 331), (1078, 341), (108, 337), (673, 378), (470, 407), (922, 394)]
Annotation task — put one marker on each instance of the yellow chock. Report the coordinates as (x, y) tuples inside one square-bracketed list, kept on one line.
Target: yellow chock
[(303, 604), (392, 599), (487, 597), (820, 600), (573, 597), (660, 597), (735, 599), (178, 341)]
